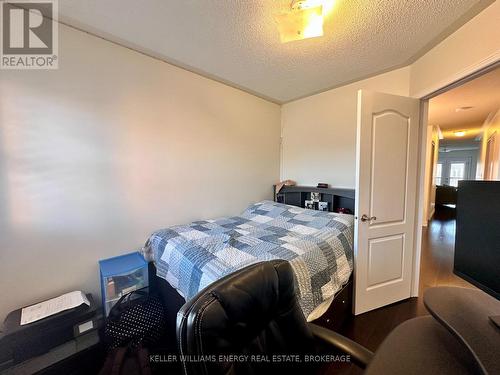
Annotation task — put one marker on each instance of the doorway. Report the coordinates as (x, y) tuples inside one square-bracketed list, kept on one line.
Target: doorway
[(461, 143)]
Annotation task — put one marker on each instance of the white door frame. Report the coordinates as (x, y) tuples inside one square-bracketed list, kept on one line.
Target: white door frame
[(453, 81), (490, 149), (420, 200)]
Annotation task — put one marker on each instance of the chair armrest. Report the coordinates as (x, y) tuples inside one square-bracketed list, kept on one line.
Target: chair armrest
[(360, 355)]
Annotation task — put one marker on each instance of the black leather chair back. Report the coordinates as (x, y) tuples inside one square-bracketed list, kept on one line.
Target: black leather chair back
[(252, 312)]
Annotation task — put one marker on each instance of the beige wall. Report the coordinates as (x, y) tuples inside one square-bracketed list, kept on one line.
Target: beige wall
[(472, 47), (113, 145), (319, 132)]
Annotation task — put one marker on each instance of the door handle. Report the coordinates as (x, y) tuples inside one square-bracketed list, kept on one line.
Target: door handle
[(367, 218)]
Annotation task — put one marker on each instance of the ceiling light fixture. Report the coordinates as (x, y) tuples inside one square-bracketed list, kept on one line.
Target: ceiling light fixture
[(459, 133), (303, 20)]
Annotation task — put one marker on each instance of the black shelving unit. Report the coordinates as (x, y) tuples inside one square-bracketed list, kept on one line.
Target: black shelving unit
[(336, 198)]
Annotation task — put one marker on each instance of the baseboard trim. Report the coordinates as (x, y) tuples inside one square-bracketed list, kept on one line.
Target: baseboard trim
[(431, 214)]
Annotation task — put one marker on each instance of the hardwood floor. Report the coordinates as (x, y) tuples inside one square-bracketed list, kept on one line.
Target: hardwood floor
[(438, 242), (371, 328)]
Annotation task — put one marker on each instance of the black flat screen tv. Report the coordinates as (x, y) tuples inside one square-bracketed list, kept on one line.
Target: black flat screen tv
[(477, 238)]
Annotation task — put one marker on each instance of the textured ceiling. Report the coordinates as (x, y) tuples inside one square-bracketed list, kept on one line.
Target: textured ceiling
[(237, 42), (482, 94)]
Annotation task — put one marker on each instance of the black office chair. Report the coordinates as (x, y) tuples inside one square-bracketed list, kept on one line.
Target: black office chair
[(255, 312)]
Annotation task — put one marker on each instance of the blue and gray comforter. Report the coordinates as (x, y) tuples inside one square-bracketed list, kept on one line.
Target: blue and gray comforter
[(318, 245)]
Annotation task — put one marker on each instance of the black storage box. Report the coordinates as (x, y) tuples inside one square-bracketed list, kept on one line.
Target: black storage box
[(21, 342)]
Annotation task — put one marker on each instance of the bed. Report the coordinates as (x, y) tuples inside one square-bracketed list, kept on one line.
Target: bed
[(318, 245)]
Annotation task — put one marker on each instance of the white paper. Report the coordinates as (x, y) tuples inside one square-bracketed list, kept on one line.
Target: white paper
[(52, 306)]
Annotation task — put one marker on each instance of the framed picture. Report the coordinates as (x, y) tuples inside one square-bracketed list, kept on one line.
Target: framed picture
[(323, 206), (309, 205), (315, 197)]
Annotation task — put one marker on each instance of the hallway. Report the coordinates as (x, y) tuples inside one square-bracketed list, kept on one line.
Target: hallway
[(438, 242)]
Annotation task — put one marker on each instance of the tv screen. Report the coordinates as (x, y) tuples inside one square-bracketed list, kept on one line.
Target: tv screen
[(477, 238)]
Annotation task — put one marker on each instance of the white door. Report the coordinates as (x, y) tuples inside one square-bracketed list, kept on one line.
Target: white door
[(386, 185)]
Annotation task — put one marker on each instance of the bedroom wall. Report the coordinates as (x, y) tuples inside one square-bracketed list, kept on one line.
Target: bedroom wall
[(113, 145), (319, 132)]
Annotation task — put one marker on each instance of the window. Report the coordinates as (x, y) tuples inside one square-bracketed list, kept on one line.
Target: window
[(450, 170), (439, 171), (457, 173)]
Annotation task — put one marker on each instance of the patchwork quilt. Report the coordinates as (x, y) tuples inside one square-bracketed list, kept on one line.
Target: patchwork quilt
[(318, 245)]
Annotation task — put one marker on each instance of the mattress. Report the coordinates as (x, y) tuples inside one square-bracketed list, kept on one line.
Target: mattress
[(318, 246)]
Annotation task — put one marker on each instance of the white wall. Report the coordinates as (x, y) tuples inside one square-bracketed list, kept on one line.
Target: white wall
[(472, 47), (319, 132), (113, 145)]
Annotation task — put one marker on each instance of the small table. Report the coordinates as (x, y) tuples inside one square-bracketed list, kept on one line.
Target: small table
[(459, 337), (466, 314), (81, 355)]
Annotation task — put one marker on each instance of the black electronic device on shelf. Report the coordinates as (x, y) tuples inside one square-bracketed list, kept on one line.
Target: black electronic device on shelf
[(337, 199)]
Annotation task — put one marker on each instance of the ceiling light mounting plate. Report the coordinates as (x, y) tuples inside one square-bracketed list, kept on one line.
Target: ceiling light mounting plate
[(327, 5), (299, 4)]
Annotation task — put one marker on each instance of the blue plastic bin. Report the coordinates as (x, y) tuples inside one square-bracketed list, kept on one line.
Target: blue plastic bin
[(121, 275)]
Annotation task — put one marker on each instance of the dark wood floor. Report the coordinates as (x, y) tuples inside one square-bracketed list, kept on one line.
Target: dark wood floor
[(371, 328)]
